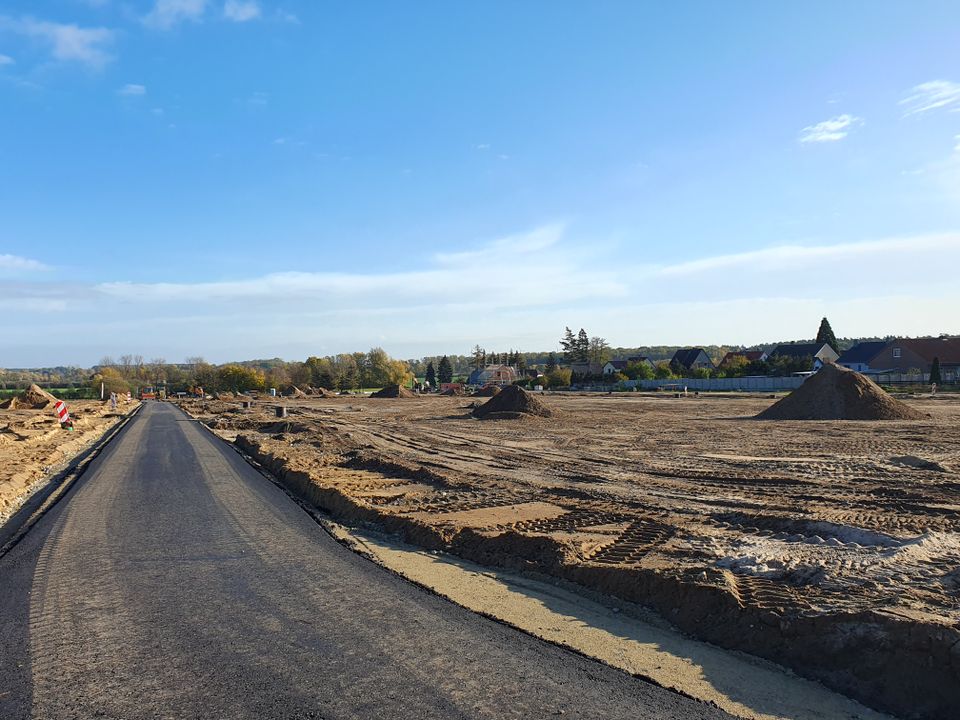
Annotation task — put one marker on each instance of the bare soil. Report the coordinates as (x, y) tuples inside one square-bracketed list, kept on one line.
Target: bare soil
[(830, 546), (32, 443)]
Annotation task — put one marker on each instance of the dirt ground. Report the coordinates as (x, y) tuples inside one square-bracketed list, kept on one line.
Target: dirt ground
[(831, 547), (32, 444)]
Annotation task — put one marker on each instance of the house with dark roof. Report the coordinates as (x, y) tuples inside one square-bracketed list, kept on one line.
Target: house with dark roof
[(691, 359), (749, 355), (820, 352), (861, 356), (494, 374), (904, 354), (640, 359), (614, 366)]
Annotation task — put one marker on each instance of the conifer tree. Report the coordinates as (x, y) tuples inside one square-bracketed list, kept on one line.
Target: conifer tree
[(825, 335), (935, 372), (445, 370), (431, 375)]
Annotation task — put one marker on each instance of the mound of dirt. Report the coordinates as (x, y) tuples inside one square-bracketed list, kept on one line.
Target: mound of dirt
[(223, 395), (33, 398), (294, 392), (452, 391), (836, 393), (513, 401), (324, 393), (393, 391), (487, 391)]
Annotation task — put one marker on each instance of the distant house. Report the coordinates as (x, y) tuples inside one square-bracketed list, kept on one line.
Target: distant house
[(640, 359), (586, 368), (903, 354), (749, 355), (820, 352), (861, 356), (495, 374), (691, 359), (614, 366)]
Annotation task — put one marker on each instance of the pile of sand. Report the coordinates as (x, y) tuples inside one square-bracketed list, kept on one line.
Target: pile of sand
[(452, 391), (393, 391), (324, 393), (836, 393), (486, 391), (512, 401), (223, 395), (33, 398)]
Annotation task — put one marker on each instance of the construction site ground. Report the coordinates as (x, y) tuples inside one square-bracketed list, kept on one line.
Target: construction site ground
[(33, 445), (830, 547)]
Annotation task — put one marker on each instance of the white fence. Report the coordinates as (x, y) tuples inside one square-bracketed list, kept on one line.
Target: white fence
[(744, 384)]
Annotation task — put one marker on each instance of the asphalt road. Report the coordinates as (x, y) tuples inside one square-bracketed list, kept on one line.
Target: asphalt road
[(173, 581)]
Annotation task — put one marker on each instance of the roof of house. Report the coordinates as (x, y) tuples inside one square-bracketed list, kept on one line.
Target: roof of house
[(947, 349), (750, 355), (862, 352), (638, 359), (618, 364), (688, 356), (797, 350)]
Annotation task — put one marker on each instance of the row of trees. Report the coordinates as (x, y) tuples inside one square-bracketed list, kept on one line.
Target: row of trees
[(347, 371), (582, 349)]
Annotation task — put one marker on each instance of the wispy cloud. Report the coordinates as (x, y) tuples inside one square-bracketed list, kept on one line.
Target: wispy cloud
[(932, 95), (168, 13), (5, 60), (15, 262), (798, 257), (132, 90), (241, 10), (67, 42), (830, 130)]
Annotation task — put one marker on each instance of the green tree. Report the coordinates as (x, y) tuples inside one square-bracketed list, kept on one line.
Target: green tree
[(431, 375), (552, 361), (238, 378), (825, 335), (479, 358), (935, 372), (569, 344), (445, 370), (663, 371), (583, 346)]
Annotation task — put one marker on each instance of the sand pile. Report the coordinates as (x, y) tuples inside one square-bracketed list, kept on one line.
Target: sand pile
[(393, 391), (33, 398), (324, 393), (452, 391), (836, 393), (486, 391), (512, 401)]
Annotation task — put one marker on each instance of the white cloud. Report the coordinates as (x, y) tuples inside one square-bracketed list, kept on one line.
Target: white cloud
[(67, 42), (132, 89), (830, 130), (241, 10), (5, 60), (932, 95), (15, 262), (168, 13), (799, 257)]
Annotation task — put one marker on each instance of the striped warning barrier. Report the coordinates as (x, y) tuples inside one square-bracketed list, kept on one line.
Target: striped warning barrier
[(60, 407), (129, 396)]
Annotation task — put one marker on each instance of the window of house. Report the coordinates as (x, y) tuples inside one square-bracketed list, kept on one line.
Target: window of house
[(896, 352)]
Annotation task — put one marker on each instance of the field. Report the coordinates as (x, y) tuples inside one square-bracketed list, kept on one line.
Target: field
[(831, 547)]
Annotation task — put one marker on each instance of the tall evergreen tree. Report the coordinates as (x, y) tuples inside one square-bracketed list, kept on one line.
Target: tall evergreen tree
[(569, 345), (479, 357), (445, 370), (935, 372), (431, 375), (825, 335), (583, 346)]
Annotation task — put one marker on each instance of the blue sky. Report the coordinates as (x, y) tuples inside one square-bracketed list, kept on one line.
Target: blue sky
[(255, 178)]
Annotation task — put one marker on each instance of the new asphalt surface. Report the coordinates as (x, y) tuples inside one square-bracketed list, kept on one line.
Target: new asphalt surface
[(174, 581)]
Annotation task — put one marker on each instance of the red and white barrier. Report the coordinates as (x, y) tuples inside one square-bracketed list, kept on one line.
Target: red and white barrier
[(61, 409), (129, 396)]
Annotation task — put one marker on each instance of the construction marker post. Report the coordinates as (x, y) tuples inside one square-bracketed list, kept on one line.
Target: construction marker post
[(60, 407)]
